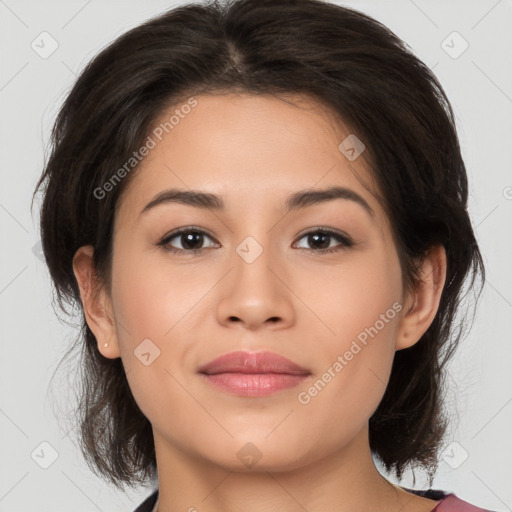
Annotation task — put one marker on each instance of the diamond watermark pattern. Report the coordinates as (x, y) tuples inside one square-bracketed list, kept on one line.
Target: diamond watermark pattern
[(249, 249), (44, 455), (454, 455), (146, 352), (249, 454), (351, 147), (454, 45), (37, 250), (44, 45)]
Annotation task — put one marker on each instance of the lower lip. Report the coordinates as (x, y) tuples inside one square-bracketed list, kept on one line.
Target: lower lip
[(254, 384)]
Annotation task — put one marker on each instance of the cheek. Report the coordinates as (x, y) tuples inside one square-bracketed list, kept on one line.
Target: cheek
[(351, 296), (152, 309), (150, 300), (156, 311), (359, 307)]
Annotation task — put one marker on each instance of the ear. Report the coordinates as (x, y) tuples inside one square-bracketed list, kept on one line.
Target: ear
[(95, 302), (422, 304)]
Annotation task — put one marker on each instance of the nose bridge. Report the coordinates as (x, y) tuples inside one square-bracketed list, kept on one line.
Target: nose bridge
[(253, 263), (254, 294), (254, 252)]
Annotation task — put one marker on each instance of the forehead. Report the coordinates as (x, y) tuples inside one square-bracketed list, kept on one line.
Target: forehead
[(255, 150)]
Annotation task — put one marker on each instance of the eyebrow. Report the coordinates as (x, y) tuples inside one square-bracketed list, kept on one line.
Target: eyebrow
[(300, 199)]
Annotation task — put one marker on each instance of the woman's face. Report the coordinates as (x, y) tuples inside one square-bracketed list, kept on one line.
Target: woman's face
[(258, 281)]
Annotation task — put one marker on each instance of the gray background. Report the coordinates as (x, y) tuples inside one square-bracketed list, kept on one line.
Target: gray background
[(478, 81)]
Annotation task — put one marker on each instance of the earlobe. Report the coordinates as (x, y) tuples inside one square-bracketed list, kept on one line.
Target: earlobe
[(423, 303), (95, 302)]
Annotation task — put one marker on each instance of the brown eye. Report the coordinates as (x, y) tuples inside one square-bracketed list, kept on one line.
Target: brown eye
[(321, 241), (187, 239)]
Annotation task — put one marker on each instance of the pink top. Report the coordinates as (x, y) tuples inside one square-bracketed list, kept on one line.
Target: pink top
[(450, 503)]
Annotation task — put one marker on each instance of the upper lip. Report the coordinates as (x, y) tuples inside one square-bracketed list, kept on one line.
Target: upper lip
[(252, 362)]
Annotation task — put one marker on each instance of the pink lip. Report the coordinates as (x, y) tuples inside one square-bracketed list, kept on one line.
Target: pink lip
[(253, 374)]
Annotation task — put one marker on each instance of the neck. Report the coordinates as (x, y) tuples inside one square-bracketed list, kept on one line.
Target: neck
[(345, 480)]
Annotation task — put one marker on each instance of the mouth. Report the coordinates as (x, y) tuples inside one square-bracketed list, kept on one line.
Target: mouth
[(253, 374)]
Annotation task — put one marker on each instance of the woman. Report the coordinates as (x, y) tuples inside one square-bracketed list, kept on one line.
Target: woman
[(261, 209)]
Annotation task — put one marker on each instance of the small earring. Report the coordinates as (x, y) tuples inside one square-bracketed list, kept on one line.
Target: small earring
[(106, 345)]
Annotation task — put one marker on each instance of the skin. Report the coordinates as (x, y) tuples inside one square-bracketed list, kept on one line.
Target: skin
[(255, 151)]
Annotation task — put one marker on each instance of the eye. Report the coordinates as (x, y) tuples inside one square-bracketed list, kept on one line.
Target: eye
[(322, 238), (189, 238)]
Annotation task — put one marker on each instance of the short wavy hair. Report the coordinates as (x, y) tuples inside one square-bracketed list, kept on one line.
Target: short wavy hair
[(372, 82)]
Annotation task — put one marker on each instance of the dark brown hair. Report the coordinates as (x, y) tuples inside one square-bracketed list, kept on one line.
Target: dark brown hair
[(367, 77)]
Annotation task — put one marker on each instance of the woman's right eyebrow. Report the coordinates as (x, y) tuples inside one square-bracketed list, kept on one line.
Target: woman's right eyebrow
[(299, 199)]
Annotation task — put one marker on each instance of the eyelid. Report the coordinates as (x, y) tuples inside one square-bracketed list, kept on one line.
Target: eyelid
[(324, 229)]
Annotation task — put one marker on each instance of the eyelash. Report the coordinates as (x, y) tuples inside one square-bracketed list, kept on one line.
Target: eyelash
[(346, 242)]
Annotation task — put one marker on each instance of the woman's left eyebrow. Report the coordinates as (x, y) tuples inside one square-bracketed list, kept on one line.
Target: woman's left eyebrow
[(214, 202)]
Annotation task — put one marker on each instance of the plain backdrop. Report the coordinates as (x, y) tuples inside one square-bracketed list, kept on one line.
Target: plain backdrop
[(468, 44)]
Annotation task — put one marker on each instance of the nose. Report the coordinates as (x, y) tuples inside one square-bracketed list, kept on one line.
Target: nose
[(255, 295)]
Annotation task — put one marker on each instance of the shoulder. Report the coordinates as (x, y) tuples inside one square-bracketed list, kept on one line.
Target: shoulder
[(452, 503), (447, 501), (148, 504)]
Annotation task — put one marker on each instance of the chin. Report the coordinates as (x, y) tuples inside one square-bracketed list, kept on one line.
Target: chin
[(257, 454)]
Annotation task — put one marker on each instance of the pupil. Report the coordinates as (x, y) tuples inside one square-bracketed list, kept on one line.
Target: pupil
[(325, 237), (189, 240)]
